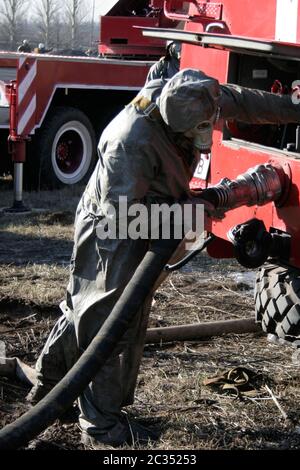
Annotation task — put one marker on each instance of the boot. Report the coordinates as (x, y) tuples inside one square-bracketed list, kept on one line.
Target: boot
[(124, 432)]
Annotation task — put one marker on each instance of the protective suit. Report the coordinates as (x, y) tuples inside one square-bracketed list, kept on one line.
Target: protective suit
[(146, 154), (166, 66), (138, 158)]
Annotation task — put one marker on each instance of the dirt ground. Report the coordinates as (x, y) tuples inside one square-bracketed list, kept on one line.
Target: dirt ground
[(171, 395)]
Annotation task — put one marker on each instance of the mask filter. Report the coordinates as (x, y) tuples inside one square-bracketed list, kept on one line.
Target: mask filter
[(201, 136)]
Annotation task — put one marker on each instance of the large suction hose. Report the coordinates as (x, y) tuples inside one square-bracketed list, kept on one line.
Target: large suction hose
[(77, 379)]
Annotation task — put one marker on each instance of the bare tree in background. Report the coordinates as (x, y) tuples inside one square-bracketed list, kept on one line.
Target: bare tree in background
[(46, 11), (75, 14), (11, 13)]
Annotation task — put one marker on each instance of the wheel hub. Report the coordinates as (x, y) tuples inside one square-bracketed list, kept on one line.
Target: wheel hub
[(69, 152), (62, 152)]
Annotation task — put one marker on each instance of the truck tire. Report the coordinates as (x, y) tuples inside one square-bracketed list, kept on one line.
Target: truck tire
[(277, 302), (65, 148)]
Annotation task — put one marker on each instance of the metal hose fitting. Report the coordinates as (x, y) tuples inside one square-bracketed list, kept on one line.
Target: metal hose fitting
[(257, 186)]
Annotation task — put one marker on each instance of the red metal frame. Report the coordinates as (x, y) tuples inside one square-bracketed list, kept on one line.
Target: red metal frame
[(16, 143), (197, 11), (156, 4), (123, 36)]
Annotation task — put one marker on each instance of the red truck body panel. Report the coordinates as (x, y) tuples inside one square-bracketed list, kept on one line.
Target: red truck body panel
[(115, 39), (38, 77), (52, 73), (231, 157)]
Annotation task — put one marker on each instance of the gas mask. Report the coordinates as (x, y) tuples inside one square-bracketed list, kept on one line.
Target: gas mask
[(175, 50), (201, 135)]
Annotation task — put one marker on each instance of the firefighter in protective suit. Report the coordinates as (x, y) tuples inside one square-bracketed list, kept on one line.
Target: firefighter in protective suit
[(167, 65), (147, 153)]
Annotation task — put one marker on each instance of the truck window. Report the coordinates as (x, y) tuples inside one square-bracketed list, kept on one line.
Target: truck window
[(269, 74)]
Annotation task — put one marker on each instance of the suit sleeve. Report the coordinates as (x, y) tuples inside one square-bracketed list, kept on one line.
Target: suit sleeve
[(257, 106)]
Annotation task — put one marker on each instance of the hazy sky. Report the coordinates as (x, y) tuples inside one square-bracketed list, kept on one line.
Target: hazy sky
[(101, 6)]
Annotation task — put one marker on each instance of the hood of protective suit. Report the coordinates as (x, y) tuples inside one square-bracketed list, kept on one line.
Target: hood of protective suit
[(188, 98), (153, 88)]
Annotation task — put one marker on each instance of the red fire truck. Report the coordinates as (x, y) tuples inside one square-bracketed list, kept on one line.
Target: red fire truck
[(53, 107), (257, 45)]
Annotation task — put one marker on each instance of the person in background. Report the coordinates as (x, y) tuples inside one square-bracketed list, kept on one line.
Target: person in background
[(91, 52), (168, 65), (25, 46), (41, 49)]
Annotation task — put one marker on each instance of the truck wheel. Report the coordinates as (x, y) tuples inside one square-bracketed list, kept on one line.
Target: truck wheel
[(66, 148), (277, 302)]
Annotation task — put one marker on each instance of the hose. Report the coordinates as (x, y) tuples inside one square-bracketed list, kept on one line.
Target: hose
[(62, 396), (190, 256)]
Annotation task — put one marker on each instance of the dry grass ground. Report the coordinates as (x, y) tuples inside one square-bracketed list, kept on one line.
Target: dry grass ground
[(171, 396)]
